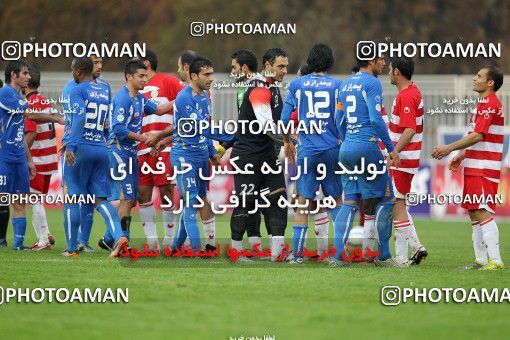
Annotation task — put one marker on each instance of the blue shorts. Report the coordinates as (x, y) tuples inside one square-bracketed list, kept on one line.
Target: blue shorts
[(351, 155), (190, 184), (126, 188), (14, 177), (90, 174), (307, 184)]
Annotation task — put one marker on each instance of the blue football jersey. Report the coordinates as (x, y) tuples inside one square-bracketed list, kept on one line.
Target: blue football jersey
[(66, 97), (90, 104), (66, 93), (126, 116), (315, 97), (189, 111), (12, 125), (360, 117)]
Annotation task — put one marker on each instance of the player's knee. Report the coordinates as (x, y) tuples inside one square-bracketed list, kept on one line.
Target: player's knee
[(369, 206), (18, 210), (166, 190), (144, 194), (276, 216), (238, 223)]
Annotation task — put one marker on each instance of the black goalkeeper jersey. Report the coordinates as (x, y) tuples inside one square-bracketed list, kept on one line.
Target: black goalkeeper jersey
[(261, 101)]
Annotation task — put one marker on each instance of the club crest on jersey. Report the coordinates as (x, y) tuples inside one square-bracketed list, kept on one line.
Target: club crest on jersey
[(407, 109), (120, 117)]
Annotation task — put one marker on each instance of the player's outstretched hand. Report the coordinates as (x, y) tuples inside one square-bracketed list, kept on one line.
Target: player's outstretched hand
[(60, 121), (31, 169), (290, 151), (215, 160), (161, 145), (70, 157), (152, 139), (441, 152), (454, 164), (393, 159)]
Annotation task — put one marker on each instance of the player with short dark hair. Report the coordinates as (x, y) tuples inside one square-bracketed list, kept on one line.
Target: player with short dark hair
[(195, 148), (262, 102), (406, 133), (128, 107), (482, 151), (361, 126), (16, 165), (161, 88), (315, 96), (86, 169), (41, 140), (243, 67), (183, 63)]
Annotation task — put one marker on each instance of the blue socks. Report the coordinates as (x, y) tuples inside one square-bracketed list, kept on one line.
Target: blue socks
[(334, 212), (343, 225), (86, 221), (191, 226), (108, 238), (180, 235), (298, 240), (71, 226), (19, 226), (383, 223), (111, 219)]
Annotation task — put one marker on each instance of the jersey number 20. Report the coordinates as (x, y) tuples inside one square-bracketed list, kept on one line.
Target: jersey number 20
[(95, 116)]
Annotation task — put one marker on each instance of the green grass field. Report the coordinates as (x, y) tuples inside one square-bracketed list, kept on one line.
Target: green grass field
[(196, 299)]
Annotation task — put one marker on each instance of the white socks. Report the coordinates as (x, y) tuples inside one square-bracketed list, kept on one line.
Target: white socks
[(169, 226), (209, 228), (255, 240), (414, 241), (237, 245), (478, 244), (402, 232), (321, 231), (148, 217), (276, 247), (369, 233), (40, 223), (491, 239)]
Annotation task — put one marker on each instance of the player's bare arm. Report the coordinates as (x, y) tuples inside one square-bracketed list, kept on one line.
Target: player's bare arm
[(405, 139), (31, 165), (444, 150)]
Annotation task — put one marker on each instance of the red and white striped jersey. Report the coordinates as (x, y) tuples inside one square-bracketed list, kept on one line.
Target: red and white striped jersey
[(162, 88), (44, 149), (484, 158), (408, 113)]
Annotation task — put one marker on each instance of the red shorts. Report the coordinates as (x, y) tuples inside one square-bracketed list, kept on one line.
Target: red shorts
[(401, 182), (40, 184), (155, 180), (485, 191)]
